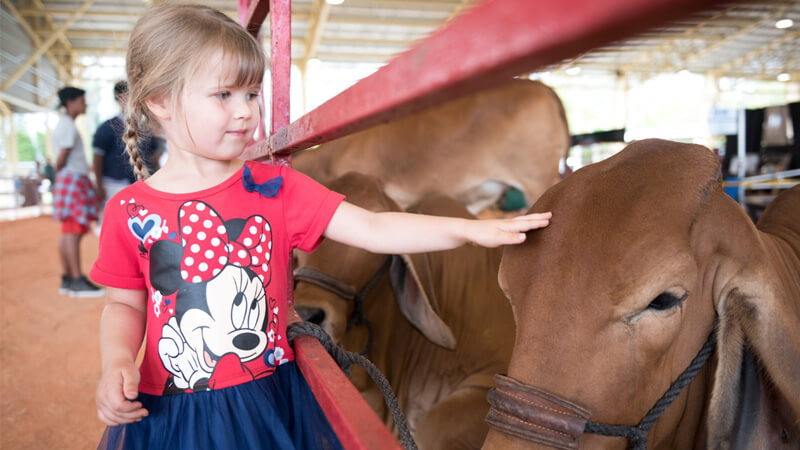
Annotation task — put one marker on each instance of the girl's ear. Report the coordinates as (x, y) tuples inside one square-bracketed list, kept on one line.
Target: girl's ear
[(159, 105)]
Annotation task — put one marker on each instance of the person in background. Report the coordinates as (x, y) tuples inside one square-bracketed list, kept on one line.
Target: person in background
[(111, 164), (74, 200), (48, 172)]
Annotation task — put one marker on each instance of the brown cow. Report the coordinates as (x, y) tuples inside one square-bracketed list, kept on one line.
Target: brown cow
[(442, 327), (644, 255), (469, 149)]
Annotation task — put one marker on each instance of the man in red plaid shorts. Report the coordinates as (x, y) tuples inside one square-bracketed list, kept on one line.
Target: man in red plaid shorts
[(74, 199)]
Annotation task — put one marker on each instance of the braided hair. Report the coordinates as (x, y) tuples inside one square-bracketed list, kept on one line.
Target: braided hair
[(131, 138)]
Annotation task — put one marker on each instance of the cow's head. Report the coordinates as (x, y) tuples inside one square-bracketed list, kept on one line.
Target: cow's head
[(614, 299), (351, 269)]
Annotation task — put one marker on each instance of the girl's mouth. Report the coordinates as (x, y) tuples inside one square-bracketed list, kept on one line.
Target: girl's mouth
[(237, 133)]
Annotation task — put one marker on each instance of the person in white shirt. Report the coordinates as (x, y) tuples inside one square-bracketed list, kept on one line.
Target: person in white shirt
[(74, 199)]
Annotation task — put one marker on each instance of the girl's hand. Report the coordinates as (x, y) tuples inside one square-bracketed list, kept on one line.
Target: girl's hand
[(494, 233), (116, 393)]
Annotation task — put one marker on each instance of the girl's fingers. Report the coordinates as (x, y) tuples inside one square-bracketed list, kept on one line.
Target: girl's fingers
[(130, 382), (523, 225), (126, 406), (535, 216), (112, 418), (512, 238), (103, 418), (132, 416), (120, 417)]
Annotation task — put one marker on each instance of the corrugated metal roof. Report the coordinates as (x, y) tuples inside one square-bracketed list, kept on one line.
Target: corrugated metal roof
[(733, 40)]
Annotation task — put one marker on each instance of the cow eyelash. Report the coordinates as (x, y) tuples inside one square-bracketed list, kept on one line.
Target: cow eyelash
[(666, 300)]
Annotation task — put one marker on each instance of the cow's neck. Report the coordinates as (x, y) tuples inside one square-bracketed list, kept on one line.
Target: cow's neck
[(780, 232), (783, 255)]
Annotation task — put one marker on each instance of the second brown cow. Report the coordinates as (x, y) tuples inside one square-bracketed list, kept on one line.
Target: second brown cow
[(470, 149), (441, 325)]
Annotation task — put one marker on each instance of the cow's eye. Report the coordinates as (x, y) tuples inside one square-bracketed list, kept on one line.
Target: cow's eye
[(666, 300)]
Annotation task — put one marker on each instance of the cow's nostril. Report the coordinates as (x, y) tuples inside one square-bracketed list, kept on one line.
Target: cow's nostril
[(246, 341), (313, 315)]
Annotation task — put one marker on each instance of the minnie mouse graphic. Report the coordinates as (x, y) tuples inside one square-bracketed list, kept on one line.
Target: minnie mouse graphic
[(218, 272)]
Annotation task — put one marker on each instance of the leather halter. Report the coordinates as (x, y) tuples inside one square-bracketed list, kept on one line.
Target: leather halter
[(533, 414), (345, 291)]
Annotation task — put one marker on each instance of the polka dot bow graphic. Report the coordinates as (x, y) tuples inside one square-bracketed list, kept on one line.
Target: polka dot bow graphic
[(210, 245)]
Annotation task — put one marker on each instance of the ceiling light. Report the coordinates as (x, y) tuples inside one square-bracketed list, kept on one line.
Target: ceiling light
[(784, 23), (784, 77), (574, 70), (334, 2), (684, 72)]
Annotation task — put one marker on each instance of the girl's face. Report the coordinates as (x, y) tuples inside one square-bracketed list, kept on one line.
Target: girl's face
[(216, 119)]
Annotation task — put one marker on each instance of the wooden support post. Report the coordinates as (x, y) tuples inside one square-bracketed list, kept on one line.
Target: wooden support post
[(45, 45), (37, 42), (9, 138)]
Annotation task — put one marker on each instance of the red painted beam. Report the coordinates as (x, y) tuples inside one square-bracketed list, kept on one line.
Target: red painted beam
[(252, 14), (485, 46), (354, 422)]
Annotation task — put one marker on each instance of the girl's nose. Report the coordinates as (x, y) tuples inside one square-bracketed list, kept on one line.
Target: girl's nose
[(242, 110)]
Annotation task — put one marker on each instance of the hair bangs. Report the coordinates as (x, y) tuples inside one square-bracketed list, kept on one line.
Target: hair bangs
[(243, 60)]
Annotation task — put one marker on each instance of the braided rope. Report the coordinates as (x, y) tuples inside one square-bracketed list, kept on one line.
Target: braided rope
[(345, 360), (358, 317), (637, 435)]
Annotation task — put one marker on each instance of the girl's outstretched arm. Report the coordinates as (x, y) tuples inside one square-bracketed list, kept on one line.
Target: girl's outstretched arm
[(394, 232), (122, 328)]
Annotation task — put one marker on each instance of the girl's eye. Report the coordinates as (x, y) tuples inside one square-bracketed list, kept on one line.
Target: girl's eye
[(223, 95), (252, 95)]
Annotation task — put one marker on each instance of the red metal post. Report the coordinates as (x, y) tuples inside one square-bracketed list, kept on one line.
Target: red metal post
[(281, 66), (252, 14), (485, 46)]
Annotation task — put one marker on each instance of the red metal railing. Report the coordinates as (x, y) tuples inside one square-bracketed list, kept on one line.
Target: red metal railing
[(485, 46)]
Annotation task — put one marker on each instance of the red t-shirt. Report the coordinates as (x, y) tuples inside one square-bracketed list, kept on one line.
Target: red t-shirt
[(213, 263)]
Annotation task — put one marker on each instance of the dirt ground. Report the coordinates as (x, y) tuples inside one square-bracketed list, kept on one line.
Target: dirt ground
[(49, 349)]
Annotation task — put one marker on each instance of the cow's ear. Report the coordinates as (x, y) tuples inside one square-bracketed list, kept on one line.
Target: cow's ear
[(415, 304), (754, 311)]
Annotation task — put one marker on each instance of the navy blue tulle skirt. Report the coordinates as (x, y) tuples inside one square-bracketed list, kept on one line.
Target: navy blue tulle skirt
[(276, 412)]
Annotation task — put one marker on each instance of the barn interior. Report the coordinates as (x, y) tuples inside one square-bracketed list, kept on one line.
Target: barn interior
[(735, 68)]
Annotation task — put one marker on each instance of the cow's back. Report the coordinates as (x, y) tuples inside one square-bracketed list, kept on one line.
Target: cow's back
[(515, 134)]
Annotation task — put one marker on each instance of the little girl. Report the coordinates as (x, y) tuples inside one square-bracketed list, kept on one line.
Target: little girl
[(197, 254)]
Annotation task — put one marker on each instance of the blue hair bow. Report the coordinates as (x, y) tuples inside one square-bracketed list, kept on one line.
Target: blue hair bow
[(268, 188)]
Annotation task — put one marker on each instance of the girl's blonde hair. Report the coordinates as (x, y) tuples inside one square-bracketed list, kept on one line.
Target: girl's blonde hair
[(167, 46)]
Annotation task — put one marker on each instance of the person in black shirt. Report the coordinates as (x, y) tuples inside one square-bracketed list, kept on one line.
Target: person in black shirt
[(111, 163)]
